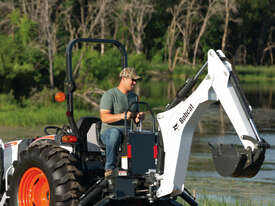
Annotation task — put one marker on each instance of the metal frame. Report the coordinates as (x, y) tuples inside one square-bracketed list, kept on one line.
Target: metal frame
[(70, 84)]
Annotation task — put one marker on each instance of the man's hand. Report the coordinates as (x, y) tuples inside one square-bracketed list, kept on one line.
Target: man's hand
[(130, 115), (139, 117), (107, 117)]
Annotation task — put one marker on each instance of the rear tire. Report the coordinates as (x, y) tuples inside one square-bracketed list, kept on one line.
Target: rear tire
[(45, 175)]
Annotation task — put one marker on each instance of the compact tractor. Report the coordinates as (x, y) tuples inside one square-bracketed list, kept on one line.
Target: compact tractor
[(66, 166)]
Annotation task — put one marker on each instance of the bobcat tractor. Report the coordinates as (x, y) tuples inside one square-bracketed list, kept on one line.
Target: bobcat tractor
[(65, 167)]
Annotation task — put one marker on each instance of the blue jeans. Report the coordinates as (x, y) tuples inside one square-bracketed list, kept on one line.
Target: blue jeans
[(112, 139)]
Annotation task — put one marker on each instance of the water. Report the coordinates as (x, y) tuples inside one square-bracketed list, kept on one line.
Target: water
[(203, 177)]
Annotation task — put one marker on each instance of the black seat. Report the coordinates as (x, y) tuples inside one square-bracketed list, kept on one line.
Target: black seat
[(84, 125), (99, 141)]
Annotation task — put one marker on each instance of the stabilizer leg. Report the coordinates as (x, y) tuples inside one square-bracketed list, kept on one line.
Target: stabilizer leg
[(103, 202), (175, 203), (188, 198)]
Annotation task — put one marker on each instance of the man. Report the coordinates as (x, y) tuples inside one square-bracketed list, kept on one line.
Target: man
[(113, 105)]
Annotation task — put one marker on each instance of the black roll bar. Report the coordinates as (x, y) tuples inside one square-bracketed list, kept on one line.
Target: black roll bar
[(70, 84)]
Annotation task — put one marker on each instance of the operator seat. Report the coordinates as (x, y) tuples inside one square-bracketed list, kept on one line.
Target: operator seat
[(89, 128)]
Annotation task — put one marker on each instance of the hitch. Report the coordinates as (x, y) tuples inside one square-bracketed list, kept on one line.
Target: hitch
[(235, 161)]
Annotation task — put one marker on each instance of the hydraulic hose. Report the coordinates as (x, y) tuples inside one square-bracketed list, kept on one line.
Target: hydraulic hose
[(186, 88), (93, 193)]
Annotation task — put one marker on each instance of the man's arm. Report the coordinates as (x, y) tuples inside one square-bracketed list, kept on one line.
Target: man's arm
[(107, 117)]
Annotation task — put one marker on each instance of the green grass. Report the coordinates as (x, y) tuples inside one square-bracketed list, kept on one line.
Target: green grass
[(246, 73), (13, 115), (253, 74), (205, 201)]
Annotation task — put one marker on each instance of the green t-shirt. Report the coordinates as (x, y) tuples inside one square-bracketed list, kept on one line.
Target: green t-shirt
[(116, 102)]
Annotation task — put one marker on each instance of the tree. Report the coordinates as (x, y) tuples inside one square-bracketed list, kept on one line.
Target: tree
[(253, 32), (172, 35), (212, 8), (47, 16), (91, 13), (136, 15), (90, 20), (269, 46), (180, 29), (6, 7), (229, 6), (69, 20)]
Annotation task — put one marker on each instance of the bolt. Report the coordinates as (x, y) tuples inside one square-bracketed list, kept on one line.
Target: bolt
[(211, 53)]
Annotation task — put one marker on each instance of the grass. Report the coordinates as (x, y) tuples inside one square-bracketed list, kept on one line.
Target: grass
[(14, 115), (205, 201), (253, 74), (246, 73)]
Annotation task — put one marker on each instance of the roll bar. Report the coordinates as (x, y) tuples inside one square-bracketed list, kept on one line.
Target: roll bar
[(70, 84)]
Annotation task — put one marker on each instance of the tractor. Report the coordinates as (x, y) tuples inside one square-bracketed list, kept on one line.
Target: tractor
[(65, 167)]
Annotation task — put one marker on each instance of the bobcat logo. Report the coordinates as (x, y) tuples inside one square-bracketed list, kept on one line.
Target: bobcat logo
[(176, 127), (183, 117)]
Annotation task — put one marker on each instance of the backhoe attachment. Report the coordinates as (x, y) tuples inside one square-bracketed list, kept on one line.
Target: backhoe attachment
[(178, 123)]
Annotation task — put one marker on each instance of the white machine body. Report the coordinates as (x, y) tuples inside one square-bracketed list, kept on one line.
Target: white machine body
[(177, 124), (10, 153)]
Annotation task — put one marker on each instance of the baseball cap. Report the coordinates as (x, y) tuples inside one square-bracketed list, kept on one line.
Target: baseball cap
[(129, 72)]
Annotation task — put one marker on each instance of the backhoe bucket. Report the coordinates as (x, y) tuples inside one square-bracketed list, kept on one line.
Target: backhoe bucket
[(235, 161)]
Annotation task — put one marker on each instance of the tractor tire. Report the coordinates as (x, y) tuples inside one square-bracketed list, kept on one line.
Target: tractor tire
[(45, 175)]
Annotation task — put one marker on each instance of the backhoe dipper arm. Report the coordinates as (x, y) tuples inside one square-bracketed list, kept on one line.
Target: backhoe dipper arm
[(178, 123), (230, 95)]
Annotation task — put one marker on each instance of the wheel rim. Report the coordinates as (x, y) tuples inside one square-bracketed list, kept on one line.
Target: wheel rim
[(34, 188)]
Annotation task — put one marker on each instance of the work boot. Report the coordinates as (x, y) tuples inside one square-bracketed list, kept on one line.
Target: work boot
[(108, 173)]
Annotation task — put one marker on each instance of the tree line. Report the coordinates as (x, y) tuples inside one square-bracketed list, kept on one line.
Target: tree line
[(34, 34)]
